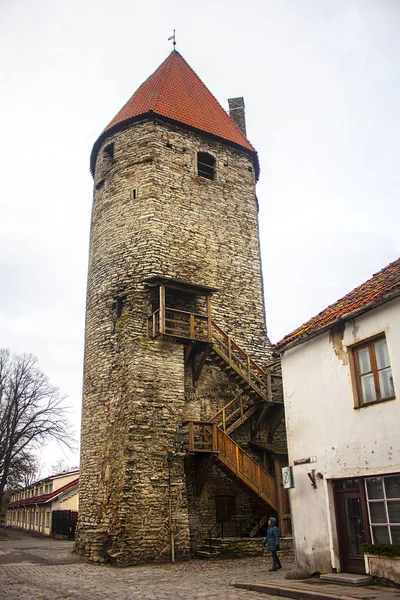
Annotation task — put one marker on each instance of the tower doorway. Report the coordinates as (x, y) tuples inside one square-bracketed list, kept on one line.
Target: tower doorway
[(225, 508)]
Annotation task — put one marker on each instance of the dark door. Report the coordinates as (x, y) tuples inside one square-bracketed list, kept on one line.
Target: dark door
[(63, 522), (352, 523), (226, 509)]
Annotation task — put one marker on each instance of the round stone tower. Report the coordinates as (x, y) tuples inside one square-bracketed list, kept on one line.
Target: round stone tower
[(174, 252)]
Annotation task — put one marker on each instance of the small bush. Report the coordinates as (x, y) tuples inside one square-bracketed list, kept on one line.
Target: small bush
[(389, 550)]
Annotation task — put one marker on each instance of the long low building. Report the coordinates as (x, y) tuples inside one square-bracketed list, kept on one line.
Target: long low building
[(47, 506)]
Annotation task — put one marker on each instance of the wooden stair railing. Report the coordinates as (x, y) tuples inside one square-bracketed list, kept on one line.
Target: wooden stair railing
[(188, 327), (235, 413), (240, 362), (204, 436)]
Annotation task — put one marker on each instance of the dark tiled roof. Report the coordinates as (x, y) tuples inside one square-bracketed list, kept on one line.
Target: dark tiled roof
[(175, 92), (44, 497), (384, 284)]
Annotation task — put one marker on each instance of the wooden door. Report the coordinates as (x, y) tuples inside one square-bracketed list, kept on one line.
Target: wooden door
[(352, 523), (225, 507)]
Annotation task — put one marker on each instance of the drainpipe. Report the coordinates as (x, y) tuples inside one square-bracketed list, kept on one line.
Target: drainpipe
[(171, 528)]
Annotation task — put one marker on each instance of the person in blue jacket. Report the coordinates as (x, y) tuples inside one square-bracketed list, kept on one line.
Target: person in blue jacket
[(271, 542)]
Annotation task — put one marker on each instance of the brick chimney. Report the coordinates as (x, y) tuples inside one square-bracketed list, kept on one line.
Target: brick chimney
[(236, 113)]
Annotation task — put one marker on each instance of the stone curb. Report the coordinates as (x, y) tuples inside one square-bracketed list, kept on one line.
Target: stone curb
[(295, 593)]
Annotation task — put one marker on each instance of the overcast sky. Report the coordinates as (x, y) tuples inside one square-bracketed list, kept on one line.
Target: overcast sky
[(321, 85)]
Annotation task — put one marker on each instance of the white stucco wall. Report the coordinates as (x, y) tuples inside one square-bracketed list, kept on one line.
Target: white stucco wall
[(321, 421)]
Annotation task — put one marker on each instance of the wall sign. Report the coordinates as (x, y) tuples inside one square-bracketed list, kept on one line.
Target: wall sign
[(304, 461), (287, 478)]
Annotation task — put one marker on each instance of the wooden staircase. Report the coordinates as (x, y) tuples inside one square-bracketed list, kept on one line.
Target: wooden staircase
[(235, 413), (241, 368), (259, 390), (207, 437)]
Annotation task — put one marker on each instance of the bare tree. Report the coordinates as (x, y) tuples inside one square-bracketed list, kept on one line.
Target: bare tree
[(24, 470), (31, 411), (60, 466)]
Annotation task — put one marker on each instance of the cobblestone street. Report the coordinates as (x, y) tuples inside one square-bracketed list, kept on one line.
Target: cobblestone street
[(27, 573)]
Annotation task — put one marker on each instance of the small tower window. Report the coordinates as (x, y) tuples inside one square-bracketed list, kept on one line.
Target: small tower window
[(118, 306), (108, 152), (205, 165)]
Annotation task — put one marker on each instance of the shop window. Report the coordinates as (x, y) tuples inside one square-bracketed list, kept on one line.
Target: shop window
[(383, 498), (372, 372)]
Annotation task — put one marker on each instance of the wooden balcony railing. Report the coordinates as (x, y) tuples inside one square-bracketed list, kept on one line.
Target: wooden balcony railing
[(207, 437), (179, 324)]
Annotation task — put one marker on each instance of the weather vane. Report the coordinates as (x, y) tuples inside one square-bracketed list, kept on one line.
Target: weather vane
[(173, 38)]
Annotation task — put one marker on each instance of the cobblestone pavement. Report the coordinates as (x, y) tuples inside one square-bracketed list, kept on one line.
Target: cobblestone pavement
[(27, 573)]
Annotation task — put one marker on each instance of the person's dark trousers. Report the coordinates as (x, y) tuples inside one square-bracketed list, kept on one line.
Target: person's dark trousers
[(276, 563)]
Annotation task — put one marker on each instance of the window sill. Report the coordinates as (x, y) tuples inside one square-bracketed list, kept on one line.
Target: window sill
[(375, 402)]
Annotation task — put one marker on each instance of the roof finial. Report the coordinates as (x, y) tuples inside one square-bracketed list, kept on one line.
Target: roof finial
[(173, 38)]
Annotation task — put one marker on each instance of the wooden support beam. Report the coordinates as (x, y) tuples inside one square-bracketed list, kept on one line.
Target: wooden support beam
[(191, 436), (260, 419), (214, 438), (197, 368), (192, 333), (188, 352), (269, 388), (162, 309), (277, 416), (209, 318)]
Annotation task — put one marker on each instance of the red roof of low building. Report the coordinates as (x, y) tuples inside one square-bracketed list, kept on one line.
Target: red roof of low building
[(176, 93), (43, 498), (383, 286)]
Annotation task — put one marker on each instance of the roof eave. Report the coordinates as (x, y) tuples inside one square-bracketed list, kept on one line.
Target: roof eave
[(155, 116), (282, 347)]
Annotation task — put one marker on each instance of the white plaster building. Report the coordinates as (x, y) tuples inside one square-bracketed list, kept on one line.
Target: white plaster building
[(33, 507), (341, 376)]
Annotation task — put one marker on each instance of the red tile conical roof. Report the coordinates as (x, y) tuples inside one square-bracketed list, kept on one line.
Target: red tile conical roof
[(176, 93)]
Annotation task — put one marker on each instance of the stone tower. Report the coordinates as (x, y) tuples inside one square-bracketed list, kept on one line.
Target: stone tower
[(174, 250)]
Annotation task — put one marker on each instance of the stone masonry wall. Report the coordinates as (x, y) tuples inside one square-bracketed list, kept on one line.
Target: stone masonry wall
[(152, 215)]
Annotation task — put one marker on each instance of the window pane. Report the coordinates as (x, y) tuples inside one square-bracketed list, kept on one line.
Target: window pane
[(378, 512), (363, 360), (392, 485), (375, 488), (382, 355), (394, 511), (368, 389), (354, 524), (386, 383), (395, 531), (380, 535)]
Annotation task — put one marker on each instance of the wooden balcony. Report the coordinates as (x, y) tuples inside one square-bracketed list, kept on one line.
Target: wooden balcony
[(183, 325), (179, 324)]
